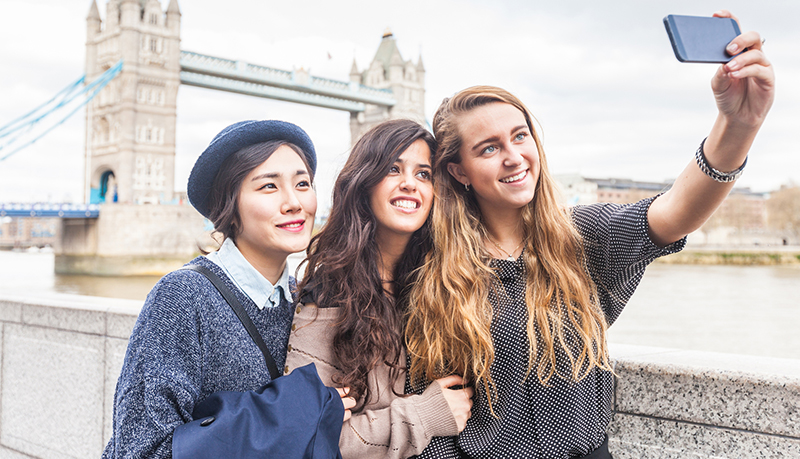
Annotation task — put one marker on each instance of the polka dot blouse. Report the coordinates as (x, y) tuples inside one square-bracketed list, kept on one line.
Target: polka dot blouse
[(566, 419)]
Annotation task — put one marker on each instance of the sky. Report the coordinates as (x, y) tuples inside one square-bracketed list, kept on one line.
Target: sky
[(600, 78)]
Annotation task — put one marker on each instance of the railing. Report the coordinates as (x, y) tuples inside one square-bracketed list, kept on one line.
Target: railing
[(50, 210), (62, 354)]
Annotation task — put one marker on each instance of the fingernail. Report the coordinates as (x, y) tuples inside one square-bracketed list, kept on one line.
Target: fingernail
[(732, 65), (735, 74), (732, 48)]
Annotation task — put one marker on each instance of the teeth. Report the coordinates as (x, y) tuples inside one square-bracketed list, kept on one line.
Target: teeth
[(405, 204), (514, 178), (292, 225)]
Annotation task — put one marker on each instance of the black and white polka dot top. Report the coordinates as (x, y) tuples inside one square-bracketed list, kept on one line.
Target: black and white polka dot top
[(566, 419)]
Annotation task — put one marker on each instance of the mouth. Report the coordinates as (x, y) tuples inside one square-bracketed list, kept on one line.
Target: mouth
[(405, 203), (294, 226), (515, 178)]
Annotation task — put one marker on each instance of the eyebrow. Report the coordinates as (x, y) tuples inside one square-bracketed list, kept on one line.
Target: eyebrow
[(272, 175), (495, 138), (426, 165)]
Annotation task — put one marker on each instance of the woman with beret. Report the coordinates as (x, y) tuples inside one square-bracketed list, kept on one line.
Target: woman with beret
[(354, 296), (254, 182), (517, 294)]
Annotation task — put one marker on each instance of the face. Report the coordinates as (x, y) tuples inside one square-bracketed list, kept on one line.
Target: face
[(499, 158), (276, 207), (402, 201)]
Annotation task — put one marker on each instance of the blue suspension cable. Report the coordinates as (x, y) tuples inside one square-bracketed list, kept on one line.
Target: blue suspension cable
[(95, 87)]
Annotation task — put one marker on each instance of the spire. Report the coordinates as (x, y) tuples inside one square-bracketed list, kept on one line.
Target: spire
[(420, 67), (173, 7), (354, 68), (94, 13)]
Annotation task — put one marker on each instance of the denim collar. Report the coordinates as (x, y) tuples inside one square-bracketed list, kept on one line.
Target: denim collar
[(248, 279)]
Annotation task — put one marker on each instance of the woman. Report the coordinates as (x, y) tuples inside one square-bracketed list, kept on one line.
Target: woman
[(354, 296), (517, 294), (254, 183)]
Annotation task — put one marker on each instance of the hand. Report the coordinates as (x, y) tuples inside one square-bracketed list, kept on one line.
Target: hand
[(744, 88), (459, 400), (348, 402)]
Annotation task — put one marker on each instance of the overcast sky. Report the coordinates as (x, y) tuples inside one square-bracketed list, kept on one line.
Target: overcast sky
[(600, 77)]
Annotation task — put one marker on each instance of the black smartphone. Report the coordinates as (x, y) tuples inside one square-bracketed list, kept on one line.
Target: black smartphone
[(701, 39)]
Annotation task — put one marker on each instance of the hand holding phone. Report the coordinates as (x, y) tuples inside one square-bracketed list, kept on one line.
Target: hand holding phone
[(701, 39)]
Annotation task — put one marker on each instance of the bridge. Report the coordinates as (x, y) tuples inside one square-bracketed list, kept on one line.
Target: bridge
[(134, 67)]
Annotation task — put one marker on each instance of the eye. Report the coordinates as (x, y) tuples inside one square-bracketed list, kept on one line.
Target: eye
[(303, 184), (267, 186), (394, 169), (424, 174), (489, 150), (521, 136)]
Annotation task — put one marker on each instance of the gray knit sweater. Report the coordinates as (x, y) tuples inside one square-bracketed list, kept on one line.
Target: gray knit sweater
[(187, 343)]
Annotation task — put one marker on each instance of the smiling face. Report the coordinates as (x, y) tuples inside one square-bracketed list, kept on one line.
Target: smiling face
[(276, 207), (402, 201), (499, 157)]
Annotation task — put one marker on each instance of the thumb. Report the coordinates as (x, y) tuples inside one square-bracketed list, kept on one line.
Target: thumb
[(450, 381)]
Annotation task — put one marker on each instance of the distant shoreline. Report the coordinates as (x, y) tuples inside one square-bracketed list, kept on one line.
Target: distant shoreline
[(740, 256)]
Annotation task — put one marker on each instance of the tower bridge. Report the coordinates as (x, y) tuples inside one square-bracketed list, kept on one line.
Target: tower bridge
[(130, 132), (130, 126)]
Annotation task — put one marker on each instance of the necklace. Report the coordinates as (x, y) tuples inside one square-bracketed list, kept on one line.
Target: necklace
[(510, 255)]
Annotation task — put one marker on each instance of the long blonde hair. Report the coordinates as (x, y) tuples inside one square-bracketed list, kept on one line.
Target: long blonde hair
[(449, 317)]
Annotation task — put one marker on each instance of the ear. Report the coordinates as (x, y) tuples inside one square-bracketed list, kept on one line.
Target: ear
[(457, 172)]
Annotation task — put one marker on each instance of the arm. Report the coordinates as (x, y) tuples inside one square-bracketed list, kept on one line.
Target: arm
[(160, 379), (402, 429), (744, 89)]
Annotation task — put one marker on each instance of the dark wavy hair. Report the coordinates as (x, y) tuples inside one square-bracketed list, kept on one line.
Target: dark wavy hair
[(342, 269)]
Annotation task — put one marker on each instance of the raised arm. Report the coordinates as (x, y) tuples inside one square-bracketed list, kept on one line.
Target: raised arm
[(744, 89)]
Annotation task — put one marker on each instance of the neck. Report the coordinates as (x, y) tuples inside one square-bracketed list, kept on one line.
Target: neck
[(270, 266), (504, 227), (390, 248)]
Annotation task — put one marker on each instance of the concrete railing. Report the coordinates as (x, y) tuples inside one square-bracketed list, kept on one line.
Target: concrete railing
[(62, 354)]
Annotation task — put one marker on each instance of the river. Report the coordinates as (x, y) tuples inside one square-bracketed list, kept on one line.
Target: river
[(734, 309)]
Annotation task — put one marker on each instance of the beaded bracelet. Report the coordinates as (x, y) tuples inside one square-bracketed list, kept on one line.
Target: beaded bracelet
[(722, 177)]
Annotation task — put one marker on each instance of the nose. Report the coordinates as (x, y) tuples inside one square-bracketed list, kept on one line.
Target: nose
[(291, 204), (408, 182), (513, 156)]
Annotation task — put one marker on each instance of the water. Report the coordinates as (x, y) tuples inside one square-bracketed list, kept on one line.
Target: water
[(733, 309)]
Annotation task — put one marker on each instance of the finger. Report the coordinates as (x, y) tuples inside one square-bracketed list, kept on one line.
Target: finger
[(348, 402), (343, 391), (752, 57), (450, 381), (747, 40), (470, 392), (726, 14), (759, 72), (347, 415)]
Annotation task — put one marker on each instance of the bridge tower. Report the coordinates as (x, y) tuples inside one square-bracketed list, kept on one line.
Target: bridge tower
[(130, 125), (388, 70)]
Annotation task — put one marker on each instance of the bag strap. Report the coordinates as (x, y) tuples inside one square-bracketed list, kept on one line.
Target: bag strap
[(238, 309)]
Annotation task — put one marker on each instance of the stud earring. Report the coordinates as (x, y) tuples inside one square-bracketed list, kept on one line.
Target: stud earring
[(466, 187)]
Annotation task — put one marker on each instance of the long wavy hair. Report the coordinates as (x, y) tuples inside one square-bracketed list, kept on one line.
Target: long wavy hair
[(343, 260), (449, 318)]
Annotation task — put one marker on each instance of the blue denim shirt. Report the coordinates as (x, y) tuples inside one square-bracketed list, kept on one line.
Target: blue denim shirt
[(248, 279)]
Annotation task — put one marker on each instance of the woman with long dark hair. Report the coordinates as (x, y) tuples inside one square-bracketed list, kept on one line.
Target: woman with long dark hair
[(517, 293), (354, 296)]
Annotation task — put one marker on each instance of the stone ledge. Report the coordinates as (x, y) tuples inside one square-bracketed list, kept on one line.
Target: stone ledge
[(755, 394)]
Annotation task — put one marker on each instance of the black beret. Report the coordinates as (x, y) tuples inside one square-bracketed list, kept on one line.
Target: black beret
[(232, 139)]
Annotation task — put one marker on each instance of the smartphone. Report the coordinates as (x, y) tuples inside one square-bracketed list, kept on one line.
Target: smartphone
[(701, 39)]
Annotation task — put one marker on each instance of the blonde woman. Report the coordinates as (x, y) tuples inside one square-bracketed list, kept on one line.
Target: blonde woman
[(517, 294)]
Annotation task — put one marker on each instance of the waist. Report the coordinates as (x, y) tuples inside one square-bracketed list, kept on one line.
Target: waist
[(600, 453)]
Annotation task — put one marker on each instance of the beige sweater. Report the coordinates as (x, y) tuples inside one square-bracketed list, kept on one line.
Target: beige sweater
[(388, 426)]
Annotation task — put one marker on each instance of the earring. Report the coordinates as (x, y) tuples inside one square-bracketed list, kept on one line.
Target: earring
[(466, 187)]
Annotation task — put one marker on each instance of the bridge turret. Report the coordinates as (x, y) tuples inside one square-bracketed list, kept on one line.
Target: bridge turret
[(355, 75), (174, 18), (112, 15), (93, 20)]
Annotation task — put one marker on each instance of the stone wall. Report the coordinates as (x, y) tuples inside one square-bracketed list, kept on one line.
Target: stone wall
[(61, 356)]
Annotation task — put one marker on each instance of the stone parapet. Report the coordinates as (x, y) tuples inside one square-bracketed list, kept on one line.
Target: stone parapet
[(61, 356)]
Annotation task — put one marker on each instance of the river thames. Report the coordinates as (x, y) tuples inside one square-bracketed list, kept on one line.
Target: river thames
[(751, 310)]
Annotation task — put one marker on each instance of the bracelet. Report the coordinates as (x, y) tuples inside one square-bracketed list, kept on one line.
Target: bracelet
[(717, 176)]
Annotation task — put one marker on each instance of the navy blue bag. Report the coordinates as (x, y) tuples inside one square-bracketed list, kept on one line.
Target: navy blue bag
[(293, 416)]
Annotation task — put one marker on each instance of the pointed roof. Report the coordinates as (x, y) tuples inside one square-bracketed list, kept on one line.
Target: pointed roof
[(387, 50), (94, 13), (354, 68), (173, 7), (420, 67)]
